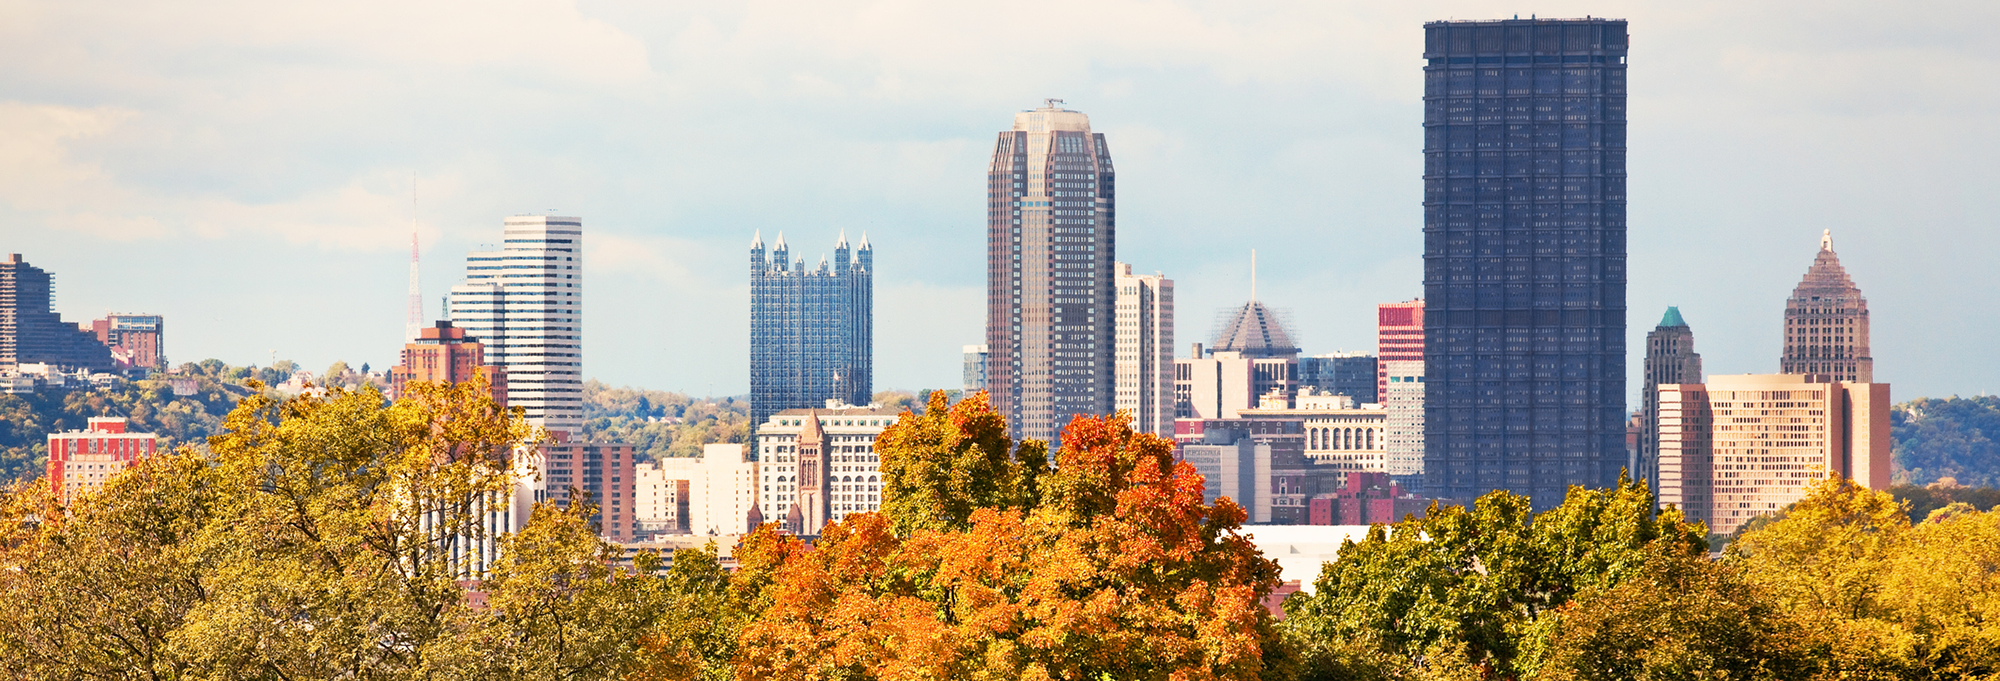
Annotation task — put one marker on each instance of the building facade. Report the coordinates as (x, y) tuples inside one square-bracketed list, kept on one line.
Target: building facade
[(1670, 358), (818, 465), (135, 340), (661, 497), (524, 302), (1341, 373), (1144, 345), (81, 461), (1405, 431), (1338, 432), (1050, 244), (974, 372), (30, 330), (1741, 446), (1259, 463), (1399, 337), (442, 353), (601, 471), (811, 330), (1524, 256), (1826, 323)]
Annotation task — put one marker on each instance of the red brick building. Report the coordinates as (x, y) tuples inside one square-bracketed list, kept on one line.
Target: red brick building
[(134, 339), (604, 470), (1399, 336), (82, 460), (444, 354)]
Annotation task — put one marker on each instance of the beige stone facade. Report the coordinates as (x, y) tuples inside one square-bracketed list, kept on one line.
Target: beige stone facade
[(1740, 446)]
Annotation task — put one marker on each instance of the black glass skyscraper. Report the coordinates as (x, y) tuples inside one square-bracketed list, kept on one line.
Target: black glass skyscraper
[(1524, 256)]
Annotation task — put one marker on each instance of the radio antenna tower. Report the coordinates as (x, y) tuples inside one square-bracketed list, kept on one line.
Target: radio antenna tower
[(414, 321)]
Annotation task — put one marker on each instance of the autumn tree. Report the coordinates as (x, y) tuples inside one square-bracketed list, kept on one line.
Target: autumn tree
[(988, 563)]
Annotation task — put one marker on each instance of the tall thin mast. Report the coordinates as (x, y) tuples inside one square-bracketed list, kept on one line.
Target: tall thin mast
[(413, 322)]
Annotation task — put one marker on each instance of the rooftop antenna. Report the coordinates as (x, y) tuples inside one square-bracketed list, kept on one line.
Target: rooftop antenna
[(1052, 102), (414, 318), (1253, 275)]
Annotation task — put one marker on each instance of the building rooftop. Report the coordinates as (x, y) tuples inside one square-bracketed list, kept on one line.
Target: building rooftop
[(1255, 331)]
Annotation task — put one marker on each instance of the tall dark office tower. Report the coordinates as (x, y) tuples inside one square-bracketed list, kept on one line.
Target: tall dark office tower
[(1050, 232), (1524, 256), (1826, 323), (812, 333), (30, 330), (1670, 359)]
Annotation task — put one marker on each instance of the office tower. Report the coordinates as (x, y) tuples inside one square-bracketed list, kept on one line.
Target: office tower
[(82, 461), (30, 330), (1399, 337), (974, 374), (1050, 237), (1144, 332), (442, 353), (1258, 462), (1341, 373), (1826, 323), (660, 498), (134, 339), (818, 465), (811, 330), (1524, 256), (601, 471), (1740, 446), (1670, 358), (524, 302), (1405, 404)]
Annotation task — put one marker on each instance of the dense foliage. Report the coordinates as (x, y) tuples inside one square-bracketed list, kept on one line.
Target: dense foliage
[(313, 538), (1841, 586), (27, 419), (1950, 438)]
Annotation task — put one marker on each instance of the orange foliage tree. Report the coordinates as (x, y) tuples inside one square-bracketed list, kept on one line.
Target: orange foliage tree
[(987, 563)]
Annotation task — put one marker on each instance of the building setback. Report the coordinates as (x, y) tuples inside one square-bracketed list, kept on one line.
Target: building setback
[(524, 302), (1524, 256), (811, 330), (1826, 323), (1670, 358), (1050, 243), (1145, 350), (1341, 373), (30, 330)]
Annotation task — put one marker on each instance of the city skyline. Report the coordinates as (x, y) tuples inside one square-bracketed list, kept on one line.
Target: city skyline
[(311, 251)]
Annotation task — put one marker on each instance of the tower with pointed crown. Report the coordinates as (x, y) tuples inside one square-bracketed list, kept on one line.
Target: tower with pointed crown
[(1670, 359), (811, 330), (1826, 323)]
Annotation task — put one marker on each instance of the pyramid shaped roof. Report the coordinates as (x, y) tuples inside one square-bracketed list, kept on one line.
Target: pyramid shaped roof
[(1672, 319), (1826, 277), (1255, 331)]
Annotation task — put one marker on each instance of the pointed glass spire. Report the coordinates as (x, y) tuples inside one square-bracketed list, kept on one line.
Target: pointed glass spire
[(842, 243), (864, 241), (781, 241), (757, 242)]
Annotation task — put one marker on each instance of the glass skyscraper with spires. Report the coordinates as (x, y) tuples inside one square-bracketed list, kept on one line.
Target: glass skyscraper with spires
[(812, 336)]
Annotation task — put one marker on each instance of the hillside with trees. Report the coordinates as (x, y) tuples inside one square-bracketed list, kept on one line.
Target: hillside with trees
[(662, 424), (1948, 440)]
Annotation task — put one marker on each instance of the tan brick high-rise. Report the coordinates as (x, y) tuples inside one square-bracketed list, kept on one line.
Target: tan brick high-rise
[(1826, 323)]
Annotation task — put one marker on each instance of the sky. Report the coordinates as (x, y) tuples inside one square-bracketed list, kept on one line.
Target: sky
[(247, 169)]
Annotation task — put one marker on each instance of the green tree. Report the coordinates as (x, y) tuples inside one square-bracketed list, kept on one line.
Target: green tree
[(1463, 587)]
